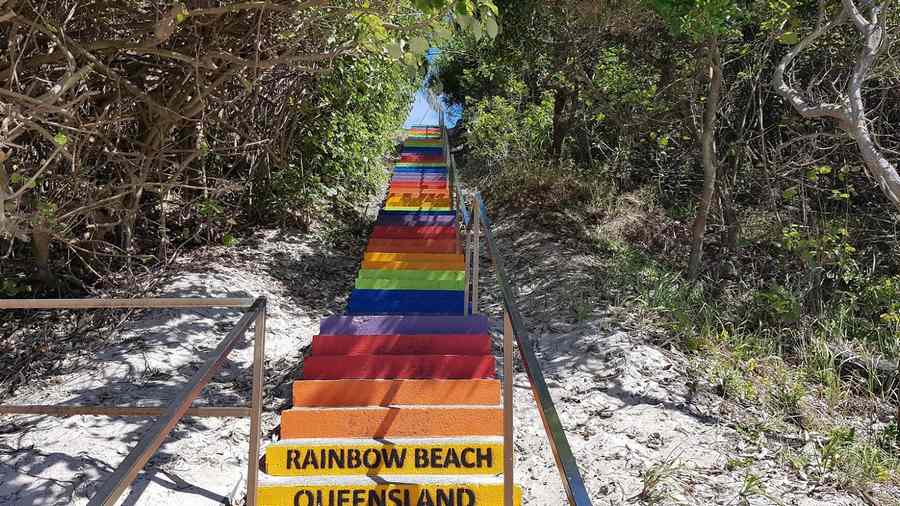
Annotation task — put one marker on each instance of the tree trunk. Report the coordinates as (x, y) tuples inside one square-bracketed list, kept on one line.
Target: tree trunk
[(40, 247), (850, 112), (559, 122), (707, 141)]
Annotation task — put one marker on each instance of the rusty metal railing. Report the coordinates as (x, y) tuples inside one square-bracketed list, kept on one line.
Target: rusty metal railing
[(475, 225), (168, 416)]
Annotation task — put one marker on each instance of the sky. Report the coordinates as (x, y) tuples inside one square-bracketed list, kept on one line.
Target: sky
[(421, 112)]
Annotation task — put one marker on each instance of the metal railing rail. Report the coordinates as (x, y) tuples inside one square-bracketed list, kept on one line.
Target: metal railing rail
[(473, 226), (515, 325), (168, 416)]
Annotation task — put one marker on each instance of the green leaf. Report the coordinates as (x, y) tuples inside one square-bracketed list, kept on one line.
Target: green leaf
[(418, 45), (17, 178), (465, 21), (789, 193), (824, 169), (60, 139), (789, 38), (491, 27), (229, 240), (395, 50)]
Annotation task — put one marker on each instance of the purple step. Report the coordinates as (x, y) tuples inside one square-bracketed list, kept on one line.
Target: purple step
[(402, 325), (415, 220)]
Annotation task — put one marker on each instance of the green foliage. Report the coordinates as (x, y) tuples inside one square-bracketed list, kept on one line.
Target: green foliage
[(699, 19), (338, 159)]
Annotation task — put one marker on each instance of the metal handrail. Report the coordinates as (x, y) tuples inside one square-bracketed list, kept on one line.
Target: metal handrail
[(168, 416), (562, 452)]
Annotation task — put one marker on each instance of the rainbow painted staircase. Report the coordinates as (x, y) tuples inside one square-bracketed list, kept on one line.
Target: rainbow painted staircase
[(399, 404)]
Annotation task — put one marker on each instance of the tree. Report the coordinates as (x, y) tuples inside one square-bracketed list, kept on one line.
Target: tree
[(869, 19), (127, 121), (705, 22)]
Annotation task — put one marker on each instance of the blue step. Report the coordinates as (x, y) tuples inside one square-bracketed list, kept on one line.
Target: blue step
[(416, 220), (405, 302), (385, 213)]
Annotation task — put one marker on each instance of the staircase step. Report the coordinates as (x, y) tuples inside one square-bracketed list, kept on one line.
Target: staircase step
[(411, 246), (422, 169), (324, 367), (440, 163), (423, 302), (421, 490), (421, 158), (426, 142), (414, 232), (436, 266), (392, 421), (427, 344), (391, 325), (429, 258), (421, 192), (408, 284), (415, 219), (428, 201), (383, 213), (385, 392), (418, 177), (425, 150), (411, 274), (395, 186), (409, 456), (424, 207)]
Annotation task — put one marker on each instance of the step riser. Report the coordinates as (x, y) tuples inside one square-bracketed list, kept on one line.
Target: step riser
[(413, 257), (411, 246), (435, 344), (425, 266), (395, 302), (325, 367), (391, 422), (384, 459), (389, 231), (387, 495), (381, 392), (412, 274), (390, 325), (408, 284)]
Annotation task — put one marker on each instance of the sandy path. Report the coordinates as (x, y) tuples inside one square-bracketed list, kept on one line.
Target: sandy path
[(52, 461)]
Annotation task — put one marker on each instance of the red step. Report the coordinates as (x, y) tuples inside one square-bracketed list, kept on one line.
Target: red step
[(396, 185), (421, 157), (426, 344), (402, 232), (324, 367)]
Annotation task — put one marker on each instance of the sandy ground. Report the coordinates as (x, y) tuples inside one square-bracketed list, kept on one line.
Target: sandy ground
[(53, 461), (639, 431)]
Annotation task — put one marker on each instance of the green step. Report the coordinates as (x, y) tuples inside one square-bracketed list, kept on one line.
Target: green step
[(407, 284), (420, 275)]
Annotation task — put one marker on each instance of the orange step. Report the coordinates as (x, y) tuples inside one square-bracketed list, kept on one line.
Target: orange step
[(393, 421), (383, 392)]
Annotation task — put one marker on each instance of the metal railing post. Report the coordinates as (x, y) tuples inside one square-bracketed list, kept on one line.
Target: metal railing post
[(476, 230), (467, 234), (116, 484), (572, 480), (508, 436), (259, 369)]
